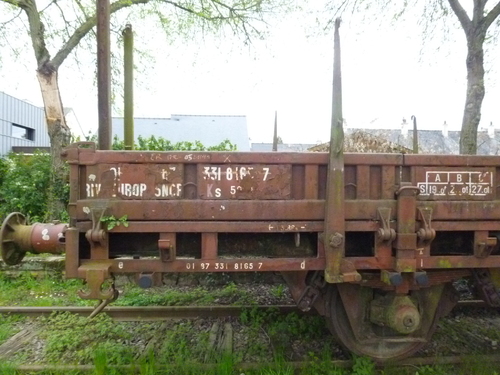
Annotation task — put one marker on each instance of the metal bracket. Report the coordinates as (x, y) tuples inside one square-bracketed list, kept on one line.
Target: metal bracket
[(166, 245), (386, 233), (313, 289), (96, 274), (414, 189), (97, 236), (483, 249), (426, 234)]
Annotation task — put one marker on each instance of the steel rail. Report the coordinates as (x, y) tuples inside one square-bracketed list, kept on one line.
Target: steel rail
[(415, 361), (149, 313)]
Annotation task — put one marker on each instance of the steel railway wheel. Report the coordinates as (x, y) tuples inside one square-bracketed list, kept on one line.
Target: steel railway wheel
[(354, 313)]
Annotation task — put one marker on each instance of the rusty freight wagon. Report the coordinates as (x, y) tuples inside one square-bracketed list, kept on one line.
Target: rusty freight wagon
[(373, 242)]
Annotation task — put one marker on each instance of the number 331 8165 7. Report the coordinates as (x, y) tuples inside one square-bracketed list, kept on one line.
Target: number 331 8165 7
[(221, 266)]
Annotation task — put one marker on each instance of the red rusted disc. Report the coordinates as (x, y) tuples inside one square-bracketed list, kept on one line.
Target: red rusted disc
[(11, 253)]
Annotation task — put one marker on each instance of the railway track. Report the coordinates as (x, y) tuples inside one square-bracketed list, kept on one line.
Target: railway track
[(145, 313), (245, 366), (157, 313), (152, 313)]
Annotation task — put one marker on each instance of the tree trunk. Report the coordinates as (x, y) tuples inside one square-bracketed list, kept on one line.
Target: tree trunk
[(475, 92), (59, 135)]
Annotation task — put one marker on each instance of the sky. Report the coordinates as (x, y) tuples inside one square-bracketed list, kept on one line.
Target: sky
[(388, 74)]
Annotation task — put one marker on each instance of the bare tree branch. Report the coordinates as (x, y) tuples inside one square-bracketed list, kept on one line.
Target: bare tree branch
[(63, 17), (48, 5), (85, 27), (12, 19), (461, 14), (478, 11), (492, 15), (37, 31)]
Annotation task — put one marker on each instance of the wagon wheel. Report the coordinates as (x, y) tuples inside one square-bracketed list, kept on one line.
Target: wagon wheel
[(381, 343)]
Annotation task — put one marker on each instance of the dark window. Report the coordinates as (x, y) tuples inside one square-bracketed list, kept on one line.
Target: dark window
[(19, 131)]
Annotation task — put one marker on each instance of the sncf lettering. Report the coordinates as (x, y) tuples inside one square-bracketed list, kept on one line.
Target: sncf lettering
[(168, 190)]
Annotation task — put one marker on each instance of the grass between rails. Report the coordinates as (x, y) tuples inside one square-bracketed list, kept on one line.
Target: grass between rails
[(181, 347), (51, 289), (33, 289), (185, 348)]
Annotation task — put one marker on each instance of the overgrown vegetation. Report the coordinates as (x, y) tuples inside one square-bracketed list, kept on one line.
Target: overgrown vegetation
[(70, 338), (24, 185), (31, 289), (188, 347), (51, 289), (228, 294), (161, 144), (7, 327)]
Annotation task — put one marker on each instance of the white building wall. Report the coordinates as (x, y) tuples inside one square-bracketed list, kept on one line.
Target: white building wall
[(15, 111)]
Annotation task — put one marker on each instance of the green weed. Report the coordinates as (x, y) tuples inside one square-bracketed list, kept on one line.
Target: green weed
[(71, 338), (433, 370), (110, 221), (478, 366), (183, 343), (47, 289), (363, 366), (7, 369), (322, 365), (278, 291), (7, 326), (136, 296)]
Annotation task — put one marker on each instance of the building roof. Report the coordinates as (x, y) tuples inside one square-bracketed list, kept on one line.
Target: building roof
[(284, 147), (210, 130), (436, 141), (361, 141)]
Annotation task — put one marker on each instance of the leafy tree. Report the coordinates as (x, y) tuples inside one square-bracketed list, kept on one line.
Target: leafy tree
[(476, 20), (25, 185), (57, 29)]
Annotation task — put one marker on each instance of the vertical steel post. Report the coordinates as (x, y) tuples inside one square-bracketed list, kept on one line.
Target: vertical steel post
[(128, 84), (103, 74), (275, 137), (415, 135), (334, 236)]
